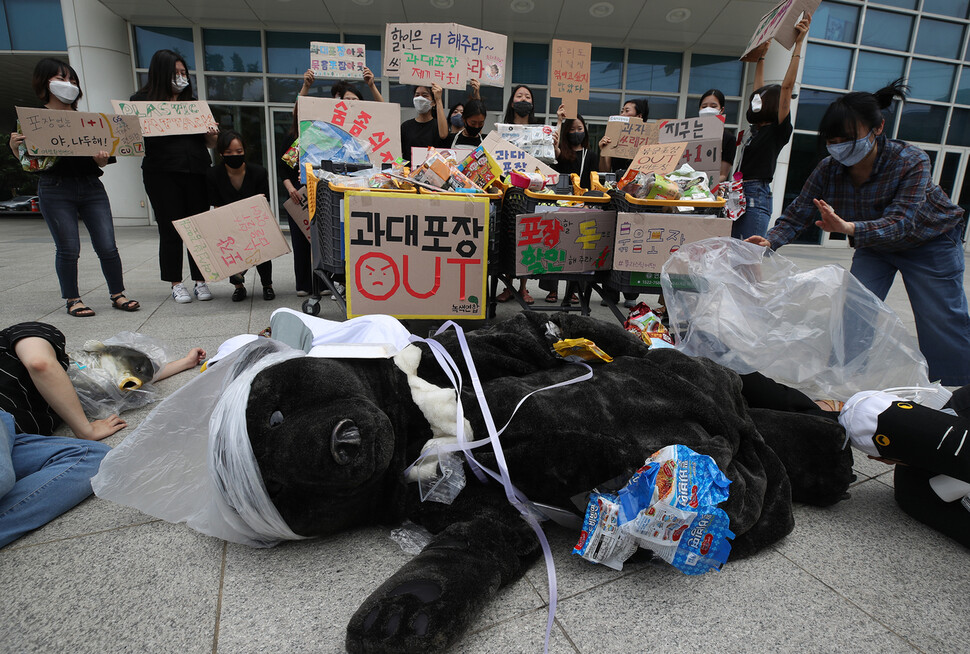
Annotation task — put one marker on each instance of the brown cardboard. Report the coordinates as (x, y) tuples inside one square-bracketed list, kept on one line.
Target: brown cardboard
[(376, 126), (703, 136), (447, 53), (79, 133), (627, 135), (644, 241), (232, 238), (415, 256), (337, 60), (300, 213), (779, 24), (511, 157), (565, 241), (662, 158), (167, 118), (569, 63)]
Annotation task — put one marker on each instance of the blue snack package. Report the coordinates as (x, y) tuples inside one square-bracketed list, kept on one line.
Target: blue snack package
[(601, 540)]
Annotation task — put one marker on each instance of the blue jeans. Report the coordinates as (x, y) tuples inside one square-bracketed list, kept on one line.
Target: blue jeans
[(933, 276), (757, 210), (65, 200), (41, 477)]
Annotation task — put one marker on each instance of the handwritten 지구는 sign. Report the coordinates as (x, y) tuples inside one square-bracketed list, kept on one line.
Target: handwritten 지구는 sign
[(300, 213), (644, 241), (627, 135), (569, 73), (232, 238), (447, 53), (167, 118), (78, 133), (415, 256), (779, 24), (662, 158), (337, 60), (703, 136), (510, 157), (564, 241)]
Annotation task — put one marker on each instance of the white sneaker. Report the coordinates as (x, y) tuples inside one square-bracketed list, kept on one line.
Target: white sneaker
[(180, 294), (340, 290), (202, 291)]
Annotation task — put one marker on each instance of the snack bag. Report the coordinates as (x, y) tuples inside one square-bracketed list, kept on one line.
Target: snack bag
[(292, 155), (534, 139), (30, 163), (439, 172), (583, 348), (529, 181), (480, 167), (663, 188), (601, 540), (647, 326)]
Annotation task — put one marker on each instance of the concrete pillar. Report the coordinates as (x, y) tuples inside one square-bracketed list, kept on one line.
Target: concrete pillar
[(97, 47)]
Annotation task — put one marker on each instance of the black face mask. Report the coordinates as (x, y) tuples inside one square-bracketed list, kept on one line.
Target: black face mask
[(576, 138), (234, 160), (472, 131), (522, 108)]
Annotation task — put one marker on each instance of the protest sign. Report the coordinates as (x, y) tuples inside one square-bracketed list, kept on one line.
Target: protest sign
[(627, 135), (510, 157), (300, 213), (337, 60), (564, 241), (415, 256), (167, 118), (348, 131), (703, 136), (78, 133), (644, 241), (779, 24), (569, 73), (232, 238), (662, 158), (446, 53)]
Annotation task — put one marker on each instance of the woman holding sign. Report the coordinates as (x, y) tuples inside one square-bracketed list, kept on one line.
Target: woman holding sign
[(428, 129), (70, 191), (174, 172)]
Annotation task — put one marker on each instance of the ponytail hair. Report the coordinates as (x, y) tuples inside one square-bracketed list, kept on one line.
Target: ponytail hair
[(842, 118)]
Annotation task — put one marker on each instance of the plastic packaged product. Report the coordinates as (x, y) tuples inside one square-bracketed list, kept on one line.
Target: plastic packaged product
[(601, 540), (439, 172), (583, 348), (529, 181), (647, 326), (693, 183), (480, 167), (663, 188), (534, 139)]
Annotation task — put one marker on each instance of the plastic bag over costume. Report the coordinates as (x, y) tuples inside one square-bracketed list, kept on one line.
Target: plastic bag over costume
[(820, 331)]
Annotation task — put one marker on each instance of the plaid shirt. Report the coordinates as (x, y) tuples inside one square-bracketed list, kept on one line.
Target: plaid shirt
[(897, 208)]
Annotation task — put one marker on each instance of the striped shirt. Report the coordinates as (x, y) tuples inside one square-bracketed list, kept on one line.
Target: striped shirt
[(897, 208), (18, 395)]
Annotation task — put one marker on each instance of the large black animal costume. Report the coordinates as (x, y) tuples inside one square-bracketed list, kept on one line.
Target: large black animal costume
[(333, 457)]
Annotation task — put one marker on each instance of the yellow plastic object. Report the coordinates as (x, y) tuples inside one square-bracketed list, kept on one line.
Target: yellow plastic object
[(344, 189), (583, 348), (555, 197), (594, 182), (494, 193), (710, 204)]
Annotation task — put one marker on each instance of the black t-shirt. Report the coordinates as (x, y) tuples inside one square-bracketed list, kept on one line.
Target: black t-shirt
[(18, 395), (420, 135), (729, 146), (762, 145), (76, 167), (222, 192), (583, 162), (179, 153)]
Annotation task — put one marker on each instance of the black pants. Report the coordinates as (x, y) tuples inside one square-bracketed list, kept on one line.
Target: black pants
[(301, 257), (175, 196), (265, 271)]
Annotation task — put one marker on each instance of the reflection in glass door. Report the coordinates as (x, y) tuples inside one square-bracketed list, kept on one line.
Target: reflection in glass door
[(282, 121)]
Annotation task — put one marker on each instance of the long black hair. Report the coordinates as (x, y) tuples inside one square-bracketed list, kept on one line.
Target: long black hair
[(510, 112), (161, 72), (642, 107), (842, 118), (716, 93), (47, 68), (567, 153), (226, 137)]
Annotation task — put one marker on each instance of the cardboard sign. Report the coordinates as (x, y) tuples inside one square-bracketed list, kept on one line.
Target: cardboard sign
[(447, 53), (167, 118), (564, 241), (662, 158), (627, 135), (349, 131), (300, 213), (79, 133), (510, 157), (415, 256), (569, 73), (703, 136), (337, 60), (644, 241), (779, 24), (233, 238)]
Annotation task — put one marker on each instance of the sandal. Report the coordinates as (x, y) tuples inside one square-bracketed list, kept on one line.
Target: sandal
[(552, 298), (526, 297), (574, 299), (79, 311), (504, 296), (127, 305)]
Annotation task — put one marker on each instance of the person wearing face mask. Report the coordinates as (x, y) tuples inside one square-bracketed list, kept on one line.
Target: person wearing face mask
[(769, 117), (234, 180), (428, 129), (880, 193), (712, 104), (69, 192), (637, 108), (455, 122), (174, 171), (473, 120)]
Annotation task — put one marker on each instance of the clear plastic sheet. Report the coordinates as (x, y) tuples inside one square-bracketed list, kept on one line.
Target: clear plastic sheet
[(820, 331), (115, 375)]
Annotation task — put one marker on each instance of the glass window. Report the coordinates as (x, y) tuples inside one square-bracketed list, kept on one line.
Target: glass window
[(902, 4), (827, 66), (599, 104), (939, 39), (492, 96), (835, 22), (930, 80), (731, 108), (811, 107), (887, 30), (288, 53), (285, 89), (654, 71), (4, 32), (952, 8), (372, 46), (715, 72), (805, 155), (233, 51), (661, 107), (874, 71), (234, 89), (149, 40), (921, 122), (963, 90), (606, 68), (948, 176), (964, 201), (248, 121), (530, 63), (959, 134), (35, 25)]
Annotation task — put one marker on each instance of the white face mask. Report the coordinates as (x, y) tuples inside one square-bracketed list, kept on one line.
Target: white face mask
[(422, 105), (179, 82), (64, 91), (708, 111)]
